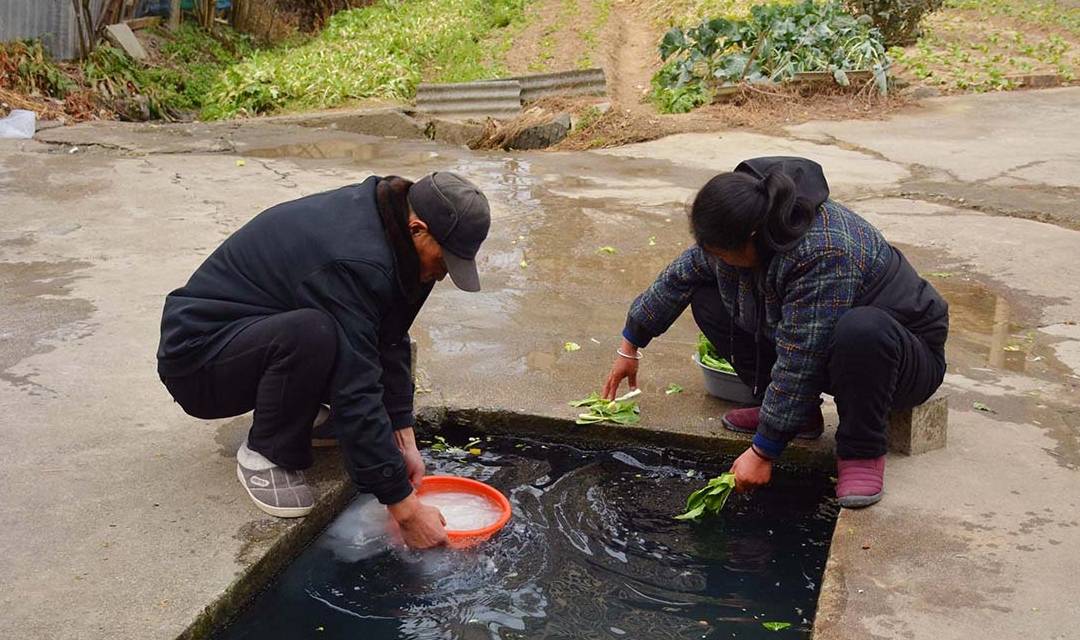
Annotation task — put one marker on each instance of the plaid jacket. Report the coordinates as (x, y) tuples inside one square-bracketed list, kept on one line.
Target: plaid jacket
[(802, 296)]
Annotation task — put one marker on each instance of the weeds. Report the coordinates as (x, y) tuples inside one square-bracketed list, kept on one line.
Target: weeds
[(381, 51), (25, 67)]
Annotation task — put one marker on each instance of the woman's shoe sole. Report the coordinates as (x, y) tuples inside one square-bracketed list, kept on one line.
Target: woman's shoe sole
[(859, 502), (280, 512)]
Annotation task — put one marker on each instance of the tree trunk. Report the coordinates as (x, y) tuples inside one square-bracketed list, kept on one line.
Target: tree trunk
[(174, 15)]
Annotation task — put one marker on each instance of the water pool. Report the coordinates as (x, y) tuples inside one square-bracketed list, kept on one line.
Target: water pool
[(592, 551)]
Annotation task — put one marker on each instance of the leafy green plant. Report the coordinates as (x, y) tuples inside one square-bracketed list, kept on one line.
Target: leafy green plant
[(710, 499), (673, 388), (899, 21), (773, 44), (708, 356), (442, 446), (622, 411), (776, 626)]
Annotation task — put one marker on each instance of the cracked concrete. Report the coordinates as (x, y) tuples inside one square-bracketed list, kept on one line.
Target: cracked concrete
[(122, 517)]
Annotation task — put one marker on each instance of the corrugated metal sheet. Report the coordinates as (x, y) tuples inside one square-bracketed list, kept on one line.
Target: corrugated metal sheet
[(471, 100), (51, 21), (587, 82)]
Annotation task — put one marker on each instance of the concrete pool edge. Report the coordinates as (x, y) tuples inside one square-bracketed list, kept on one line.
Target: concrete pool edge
[(270, 548), (272, 544)]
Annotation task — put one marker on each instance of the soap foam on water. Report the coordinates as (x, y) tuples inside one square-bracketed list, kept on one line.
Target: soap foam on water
[(463, 511)]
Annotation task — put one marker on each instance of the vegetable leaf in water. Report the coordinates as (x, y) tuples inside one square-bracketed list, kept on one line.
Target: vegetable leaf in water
[(709, 499), (623, 412), (708, 356), (776, 626)]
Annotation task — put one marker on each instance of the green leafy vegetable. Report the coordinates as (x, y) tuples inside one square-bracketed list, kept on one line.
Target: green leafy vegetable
[(620, 411), (571, 347), (673, 388), (708, 356), (774, 43), (710, 498), (607, 251), (776, 626), (442, 446), (978, 406)]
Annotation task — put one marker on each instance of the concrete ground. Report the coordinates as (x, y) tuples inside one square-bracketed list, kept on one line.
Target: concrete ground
[(121, 516)]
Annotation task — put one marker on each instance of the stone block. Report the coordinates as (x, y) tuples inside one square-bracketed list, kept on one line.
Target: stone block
[(541, 136), (920, 429), (464, 133), (122, 36)]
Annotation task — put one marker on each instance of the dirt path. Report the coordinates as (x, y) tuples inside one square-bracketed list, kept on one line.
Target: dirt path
[(632, 57)]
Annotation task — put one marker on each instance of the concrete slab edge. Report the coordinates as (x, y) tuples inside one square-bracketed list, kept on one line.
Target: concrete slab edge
[(273, 559)]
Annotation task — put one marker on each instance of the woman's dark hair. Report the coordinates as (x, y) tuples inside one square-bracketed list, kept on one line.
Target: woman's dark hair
[(731, 207), (391, 196)]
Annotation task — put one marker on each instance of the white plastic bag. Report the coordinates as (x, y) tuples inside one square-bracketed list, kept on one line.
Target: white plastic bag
[(20, 124)]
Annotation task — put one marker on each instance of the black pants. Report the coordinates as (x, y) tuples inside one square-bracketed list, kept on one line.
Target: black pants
[(279, 366), (876, 365)]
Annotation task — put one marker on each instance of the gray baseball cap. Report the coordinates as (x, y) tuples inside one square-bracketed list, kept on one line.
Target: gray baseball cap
[(458, 216)]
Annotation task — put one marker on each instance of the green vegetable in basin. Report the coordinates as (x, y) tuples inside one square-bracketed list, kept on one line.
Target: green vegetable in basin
[(619, 411), (708, 356), (710, 498)]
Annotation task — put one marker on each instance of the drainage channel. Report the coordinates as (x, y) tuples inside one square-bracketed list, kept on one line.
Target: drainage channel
[(593, 551)]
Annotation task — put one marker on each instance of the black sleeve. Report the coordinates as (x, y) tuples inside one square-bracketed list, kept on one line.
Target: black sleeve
[(397, 382), (348, 292)]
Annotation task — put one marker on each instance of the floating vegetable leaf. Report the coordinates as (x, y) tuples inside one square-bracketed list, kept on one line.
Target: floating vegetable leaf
[(571, 347), (711, 498), (673, 388), (622, 411), (978, 406), (524, 264), (776, 626), (708, 356), (607, 251), (1011, 347), (442, 446), (652, 241)]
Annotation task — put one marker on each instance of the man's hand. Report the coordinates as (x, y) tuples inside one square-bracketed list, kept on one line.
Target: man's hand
[(422, 526), (751, 471), (414, 463)]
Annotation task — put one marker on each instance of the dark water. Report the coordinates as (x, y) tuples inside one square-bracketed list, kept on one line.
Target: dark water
[(591, 552)]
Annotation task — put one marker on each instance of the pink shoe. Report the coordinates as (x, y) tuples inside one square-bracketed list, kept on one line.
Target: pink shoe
[(860, 483), (746, 421)]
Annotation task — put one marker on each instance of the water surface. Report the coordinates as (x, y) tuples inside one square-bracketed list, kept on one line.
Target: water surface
[(591, 552)]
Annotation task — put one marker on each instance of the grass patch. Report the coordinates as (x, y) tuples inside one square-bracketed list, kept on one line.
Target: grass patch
[(984, 46), (679, 13), (380, 51)]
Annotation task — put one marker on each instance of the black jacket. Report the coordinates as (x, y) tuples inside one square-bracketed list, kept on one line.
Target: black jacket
[(327, 251)]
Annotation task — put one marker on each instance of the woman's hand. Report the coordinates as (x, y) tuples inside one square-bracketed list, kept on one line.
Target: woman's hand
[(622, 369), (414, 463), (751, 471), (422, 526)]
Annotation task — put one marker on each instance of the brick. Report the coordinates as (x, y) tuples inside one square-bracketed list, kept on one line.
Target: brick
[(920, 429)]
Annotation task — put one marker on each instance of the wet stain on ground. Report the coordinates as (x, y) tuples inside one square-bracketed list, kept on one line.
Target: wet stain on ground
[(38, 312), (230, 434)]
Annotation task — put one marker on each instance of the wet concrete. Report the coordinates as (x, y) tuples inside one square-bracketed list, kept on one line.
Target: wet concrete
[(108, 473)]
